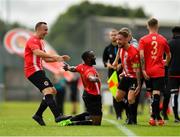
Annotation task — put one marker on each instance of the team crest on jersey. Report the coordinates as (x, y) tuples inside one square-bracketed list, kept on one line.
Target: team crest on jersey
[(154, 38), (46, 83)]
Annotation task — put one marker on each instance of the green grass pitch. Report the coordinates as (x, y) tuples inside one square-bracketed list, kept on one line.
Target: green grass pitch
[(15, 120)]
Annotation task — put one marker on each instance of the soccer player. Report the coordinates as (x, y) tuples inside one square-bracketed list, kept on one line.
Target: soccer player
[(91, 94), (152, 48), (174, 71), (33, 57), (109, 56), (130, 82)]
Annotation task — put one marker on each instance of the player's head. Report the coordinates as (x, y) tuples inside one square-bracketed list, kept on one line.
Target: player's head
[(89, 58), (41, 29), (128, 31), (176, 31), (152, 24), (112, 35), (122, 38)]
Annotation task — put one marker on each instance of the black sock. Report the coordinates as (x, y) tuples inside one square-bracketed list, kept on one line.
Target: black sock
[(126, 107), (52, 105), (175, 106), (118, 107), (84, 122), (42, 108), (165, 103), (155, 106), (132, 112), (80, 117)]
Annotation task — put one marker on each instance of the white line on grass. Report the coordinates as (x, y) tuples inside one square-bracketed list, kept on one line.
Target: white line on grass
[(125, 130)]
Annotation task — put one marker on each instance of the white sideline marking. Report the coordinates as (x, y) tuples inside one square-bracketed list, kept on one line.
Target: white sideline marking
[(125, 130)]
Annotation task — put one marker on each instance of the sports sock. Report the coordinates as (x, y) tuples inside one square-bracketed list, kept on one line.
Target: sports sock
[(80, 117), (132, 112), (42, 108), (118, 107), (52, 105), (155, 106), (126, 106), (165, 103)]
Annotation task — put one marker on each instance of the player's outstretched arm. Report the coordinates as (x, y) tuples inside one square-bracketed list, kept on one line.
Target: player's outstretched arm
[(67, 67)]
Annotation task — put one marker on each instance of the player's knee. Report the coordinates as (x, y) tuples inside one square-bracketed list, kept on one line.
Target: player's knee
[(49, 90), (119, 97), (96, 120), (131, 100)]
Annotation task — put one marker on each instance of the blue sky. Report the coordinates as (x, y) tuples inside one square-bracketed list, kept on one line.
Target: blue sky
[(28, 12)]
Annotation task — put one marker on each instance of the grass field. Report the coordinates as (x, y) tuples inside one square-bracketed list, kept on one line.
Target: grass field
[(15, 120)]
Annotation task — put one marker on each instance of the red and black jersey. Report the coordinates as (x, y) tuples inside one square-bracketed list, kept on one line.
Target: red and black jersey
[(154, 46), (32, 63), (85, 71), (130, 61)]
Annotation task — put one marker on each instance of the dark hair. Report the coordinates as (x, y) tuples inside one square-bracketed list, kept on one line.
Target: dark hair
[(124, 33), (39, 24), (152, 22), (176, 29), (85, 55)]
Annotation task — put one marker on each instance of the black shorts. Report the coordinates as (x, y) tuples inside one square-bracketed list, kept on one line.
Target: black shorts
[(155, 84), (40, 80), (93, 104), (126, 84), (173, 84)]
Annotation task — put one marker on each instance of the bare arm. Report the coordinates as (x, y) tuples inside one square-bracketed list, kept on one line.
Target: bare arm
[(115, 63), (50, 58), (143, 64), (93, 78), (168, 58)]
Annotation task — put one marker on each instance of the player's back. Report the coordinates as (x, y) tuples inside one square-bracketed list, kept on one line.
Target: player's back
[(154, 46)]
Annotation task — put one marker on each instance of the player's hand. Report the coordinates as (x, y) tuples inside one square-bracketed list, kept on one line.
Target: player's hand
[(66, 57), (109, 66), (121, 75), (137, 90), (57, 58), (66, 67), (145, 75), (119, 66), (115, 65)]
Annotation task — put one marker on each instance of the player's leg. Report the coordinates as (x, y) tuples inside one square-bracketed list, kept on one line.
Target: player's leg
[(36, 80), (48, 92), (93, 104), (173, 86), (60, 98), (132, 101), (118, 107), (158, 86), (93, 116), (166, 96)]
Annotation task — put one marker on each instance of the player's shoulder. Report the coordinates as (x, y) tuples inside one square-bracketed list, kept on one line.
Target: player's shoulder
[(33, 39), (145, 37)]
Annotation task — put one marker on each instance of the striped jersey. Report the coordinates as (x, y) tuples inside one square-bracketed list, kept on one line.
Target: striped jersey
[(130, 61), (32, 63)]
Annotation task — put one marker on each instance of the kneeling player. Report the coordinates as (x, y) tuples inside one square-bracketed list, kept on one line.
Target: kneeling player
[(91, 94)]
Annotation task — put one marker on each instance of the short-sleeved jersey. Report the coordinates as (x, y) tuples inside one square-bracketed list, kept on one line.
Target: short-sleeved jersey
[(154, 46), (32, 63), (130, 61), (85, 71)]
